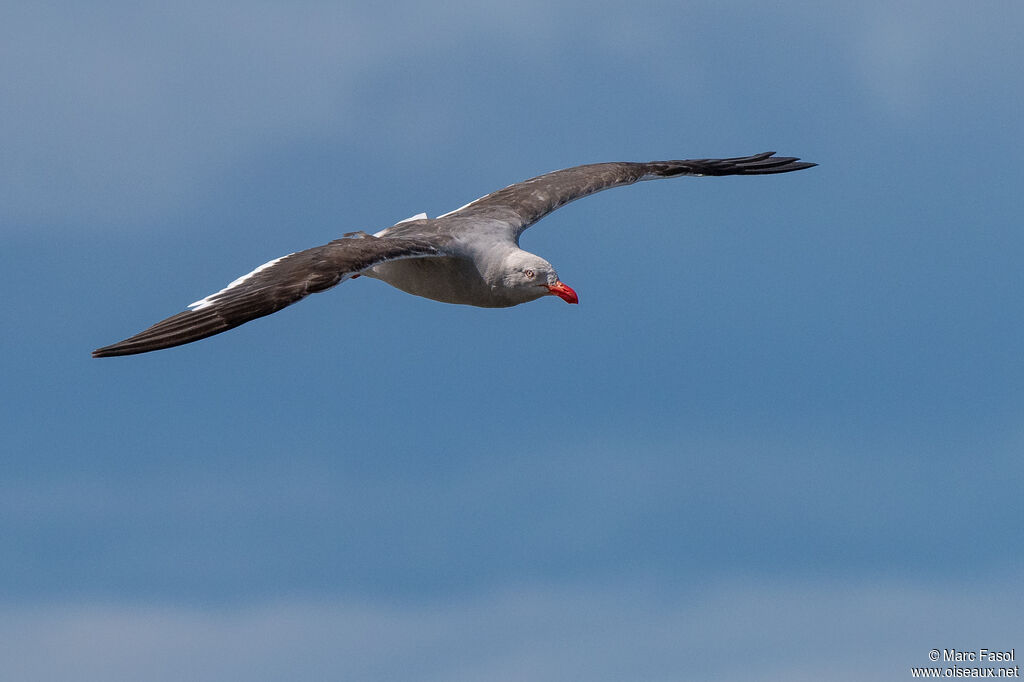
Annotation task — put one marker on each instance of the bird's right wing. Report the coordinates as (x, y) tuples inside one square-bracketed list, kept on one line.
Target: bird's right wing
[(524, 203), (273, 286)]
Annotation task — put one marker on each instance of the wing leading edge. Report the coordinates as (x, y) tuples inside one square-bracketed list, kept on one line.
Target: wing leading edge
[(271, 287), (524, 203)]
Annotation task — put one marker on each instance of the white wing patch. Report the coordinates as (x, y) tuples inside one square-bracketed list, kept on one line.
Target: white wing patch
[(208, 301), (460, 207), (469, 204), (418, 216)]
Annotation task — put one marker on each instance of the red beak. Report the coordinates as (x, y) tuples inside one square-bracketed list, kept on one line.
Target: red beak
[(564, 292)]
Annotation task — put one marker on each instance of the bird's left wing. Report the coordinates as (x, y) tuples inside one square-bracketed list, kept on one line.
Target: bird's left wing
[(524, 203), (273, 286)]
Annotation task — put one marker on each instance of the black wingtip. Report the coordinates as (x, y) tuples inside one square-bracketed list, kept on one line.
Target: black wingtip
[(108, 351), (788, 166), (185, 327), (122, 348), (765, 163), (113, 350)]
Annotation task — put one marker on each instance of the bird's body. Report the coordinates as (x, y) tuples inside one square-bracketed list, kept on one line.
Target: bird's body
[(463, 276), (448, 280), (468, 256)]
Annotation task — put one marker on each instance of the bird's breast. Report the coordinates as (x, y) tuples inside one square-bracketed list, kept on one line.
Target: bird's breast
[(449, 280)]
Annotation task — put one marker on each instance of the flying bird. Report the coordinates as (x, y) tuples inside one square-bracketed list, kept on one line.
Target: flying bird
[(470, 255)]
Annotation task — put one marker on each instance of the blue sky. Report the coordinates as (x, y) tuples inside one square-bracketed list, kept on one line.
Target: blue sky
[(779, 438)]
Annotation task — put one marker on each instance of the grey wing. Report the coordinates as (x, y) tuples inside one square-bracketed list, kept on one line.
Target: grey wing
[(524, 203), (272, 286)]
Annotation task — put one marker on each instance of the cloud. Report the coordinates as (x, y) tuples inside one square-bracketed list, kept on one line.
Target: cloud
[(118, 111), (247, 524), (911, 57), (111, 104), (611, 631)]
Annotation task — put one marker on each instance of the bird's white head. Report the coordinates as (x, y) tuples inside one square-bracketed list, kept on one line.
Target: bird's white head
[(529, 276)]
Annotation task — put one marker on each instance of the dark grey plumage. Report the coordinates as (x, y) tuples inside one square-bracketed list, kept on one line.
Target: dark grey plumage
[(524, 203), (468, 256), (267, 290)]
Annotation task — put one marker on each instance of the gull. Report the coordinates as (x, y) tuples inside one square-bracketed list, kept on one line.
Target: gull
[(469, 256)]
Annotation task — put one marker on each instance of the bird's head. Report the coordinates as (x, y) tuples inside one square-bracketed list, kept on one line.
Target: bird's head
[(531, 277)]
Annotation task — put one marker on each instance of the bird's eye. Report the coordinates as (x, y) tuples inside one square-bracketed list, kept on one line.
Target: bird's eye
[(529, 273)]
